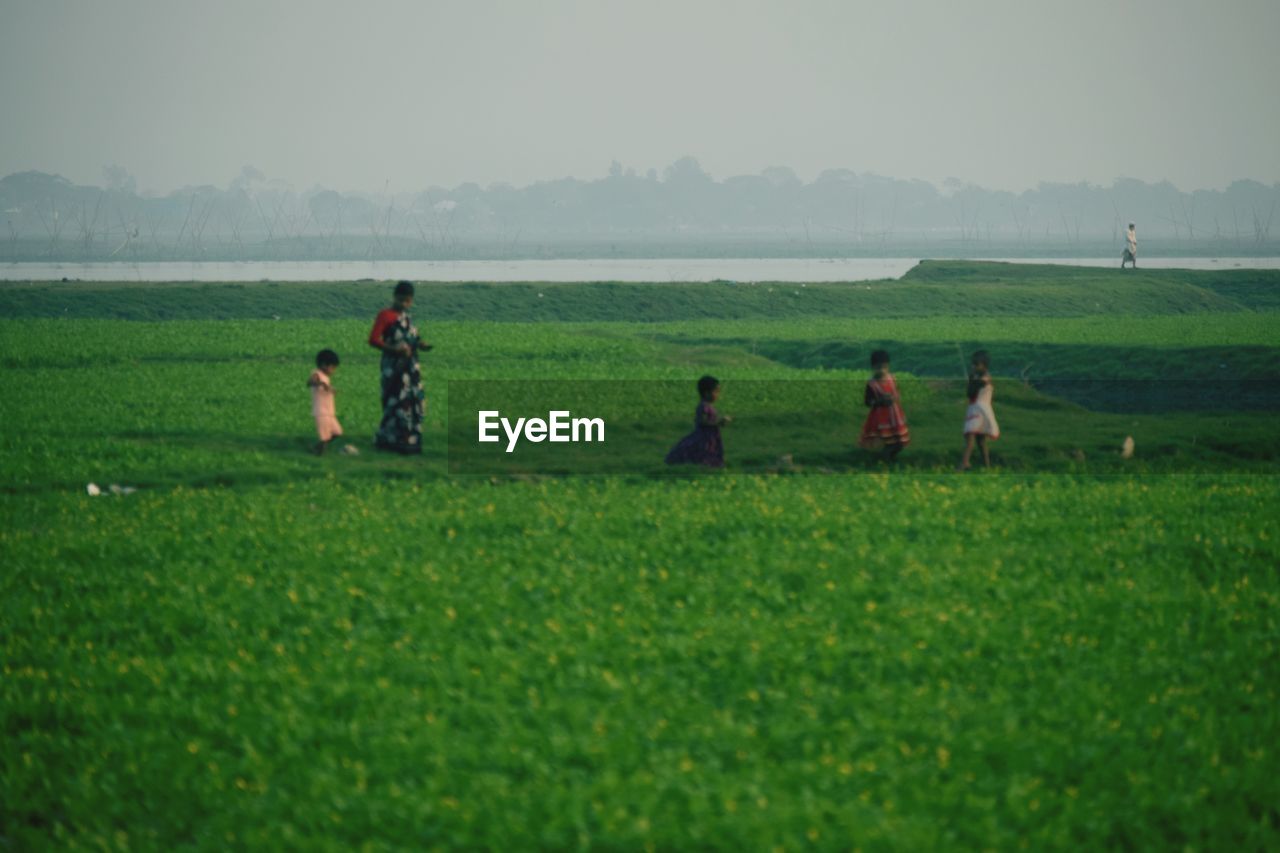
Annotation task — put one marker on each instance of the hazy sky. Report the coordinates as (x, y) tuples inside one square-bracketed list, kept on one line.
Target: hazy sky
[(354, 95)]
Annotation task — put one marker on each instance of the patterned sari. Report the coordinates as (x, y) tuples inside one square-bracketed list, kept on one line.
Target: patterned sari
[(403, 401)]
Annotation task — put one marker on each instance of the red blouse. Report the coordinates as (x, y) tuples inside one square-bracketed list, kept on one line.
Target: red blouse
[(386, 317)]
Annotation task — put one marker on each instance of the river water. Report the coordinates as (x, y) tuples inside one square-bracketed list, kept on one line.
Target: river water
[(632, 270)]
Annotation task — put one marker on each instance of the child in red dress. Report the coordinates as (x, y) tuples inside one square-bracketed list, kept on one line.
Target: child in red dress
[(886, 426)]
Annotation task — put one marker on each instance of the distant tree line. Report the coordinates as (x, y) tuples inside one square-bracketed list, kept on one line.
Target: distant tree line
[(682, 212)]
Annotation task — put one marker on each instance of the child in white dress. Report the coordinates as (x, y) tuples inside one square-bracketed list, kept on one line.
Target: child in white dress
[(979, 419)]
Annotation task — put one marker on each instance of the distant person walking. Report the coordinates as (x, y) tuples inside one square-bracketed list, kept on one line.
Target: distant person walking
[(1130, 247), (403, 401)]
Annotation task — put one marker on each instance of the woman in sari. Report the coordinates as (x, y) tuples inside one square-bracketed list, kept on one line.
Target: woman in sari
[(403, 401)]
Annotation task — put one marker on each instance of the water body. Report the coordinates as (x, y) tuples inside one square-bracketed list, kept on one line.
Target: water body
[(630, 270)]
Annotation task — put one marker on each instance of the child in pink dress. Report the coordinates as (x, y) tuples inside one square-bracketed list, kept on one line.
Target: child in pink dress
[(322, 408)]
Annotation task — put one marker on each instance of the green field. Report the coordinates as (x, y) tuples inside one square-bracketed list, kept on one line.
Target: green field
[(261, 648)]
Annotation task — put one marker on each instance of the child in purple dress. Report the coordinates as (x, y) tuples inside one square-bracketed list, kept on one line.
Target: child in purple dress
[(703, 446)]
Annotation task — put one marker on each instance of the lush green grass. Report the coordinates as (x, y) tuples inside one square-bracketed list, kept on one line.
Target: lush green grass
[(951, 288), (223, 402), (736, 661), (261, 648)]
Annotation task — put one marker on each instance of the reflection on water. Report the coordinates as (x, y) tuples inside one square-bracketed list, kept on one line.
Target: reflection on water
[(630, 270)]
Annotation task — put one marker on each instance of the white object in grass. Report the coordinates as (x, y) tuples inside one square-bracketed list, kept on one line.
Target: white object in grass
[(93, 490), (1126, 449)]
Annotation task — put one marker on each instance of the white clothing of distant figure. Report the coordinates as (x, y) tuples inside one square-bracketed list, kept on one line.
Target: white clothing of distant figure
[(1131, 247), (980, 417)]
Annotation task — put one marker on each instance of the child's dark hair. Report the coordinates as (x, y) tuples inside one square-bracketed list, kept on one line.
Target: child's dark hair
[(706, 385), (326, 357), (879, 357), (981, 363), (404, 288)]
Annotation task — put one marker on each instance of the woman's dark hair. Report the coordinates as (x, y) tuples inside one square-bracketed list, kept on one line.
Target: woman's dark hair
[(981, 357), (404, 288), (879, 357), (326, 357), (706, 385)]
